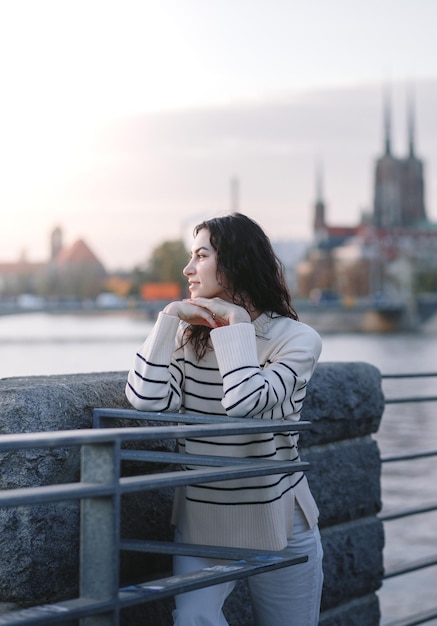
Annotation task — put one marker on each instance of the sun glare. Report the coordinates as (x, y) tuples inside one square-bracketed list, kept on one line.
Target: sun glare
[(69, 68)]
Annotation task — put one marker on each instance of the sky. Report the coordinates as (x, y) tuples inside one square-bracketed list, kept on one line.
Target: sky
[(124, 122)]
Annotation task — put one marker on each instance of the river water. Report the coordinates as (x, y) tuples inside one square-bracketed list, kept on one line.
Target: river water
[(42, 344)]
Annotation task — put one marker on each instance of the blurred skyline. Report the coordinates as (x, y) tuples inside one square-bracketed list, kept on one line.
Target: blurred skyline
[(125, 121)]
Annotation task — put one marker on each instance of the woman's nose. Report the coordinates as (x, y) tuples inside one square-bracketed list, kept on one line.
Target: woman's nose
[(188, 269)]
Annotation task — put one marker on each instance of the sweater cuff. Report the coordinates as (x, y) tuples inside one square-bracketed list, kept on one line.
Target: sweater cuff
[(161, 340), (234, 346)]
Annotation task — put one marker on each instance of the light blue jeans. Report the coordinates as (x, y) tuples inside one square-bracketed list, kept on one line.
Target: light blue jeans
[(289, 596)]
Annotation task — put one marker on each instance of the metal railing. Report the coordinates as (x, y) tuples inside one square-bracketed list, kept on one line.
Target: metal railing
[(413, 565), (100, 490)]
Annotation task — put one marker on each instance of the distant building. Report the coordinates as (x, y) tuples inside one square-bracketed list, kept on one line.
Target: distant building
[(327, 236), (399, 199), (75, 270), (20, 277), (391, 251), (71, 271)]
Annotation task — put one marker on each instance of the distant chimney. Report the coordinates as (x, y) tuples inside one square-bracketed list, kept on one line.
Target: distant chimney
[(319, 208), (55, 243)]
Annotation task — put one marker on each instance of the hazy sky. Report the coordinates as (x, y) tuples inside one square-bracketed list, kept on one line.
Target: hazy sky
[(124, 121)]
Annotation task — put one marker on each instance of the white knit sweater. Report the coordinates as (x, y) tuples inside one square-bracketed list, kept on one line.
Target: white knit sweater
[(254, 370)]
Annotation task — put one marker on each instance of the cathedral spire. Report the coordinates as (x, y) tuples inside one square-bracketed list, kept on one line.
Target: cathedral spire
[(387, 121), (411, 122), (319, 182)]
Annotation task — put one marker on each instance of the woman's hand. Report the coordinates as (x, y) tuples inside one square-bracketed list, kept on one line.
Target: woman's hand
[(222, 312), (191, 313), (212, 312)]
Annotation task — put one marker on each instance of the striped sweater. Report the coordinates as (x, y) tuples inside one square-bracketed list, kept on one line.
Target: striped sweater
[(256, 370)]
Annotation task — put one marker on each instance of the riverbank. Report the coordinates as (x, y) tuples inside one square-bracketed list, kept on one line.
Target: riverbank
[(361, 316)]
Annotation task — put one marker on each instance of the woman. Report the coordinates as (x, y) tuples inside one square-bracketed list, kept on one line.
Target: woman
[(235, 348)]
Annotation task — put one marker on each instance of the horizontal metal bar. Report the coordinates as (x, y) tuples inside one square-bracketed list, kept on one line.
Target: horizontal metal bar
[(408, 457), (414, 620), (59, 613), (150, 591), (166, 587), (54, 493), (69, 491), (414, 375), (158, 416), (66, 438), (399, 513), (411, 566), (195, 477), (178, 418), (191, 549), (188, 459), (413, 400)]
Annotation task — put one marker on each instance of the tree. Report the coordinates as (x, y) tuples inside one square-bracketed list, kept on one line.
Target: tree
[(165, 265), (426, 281), (167, 262)]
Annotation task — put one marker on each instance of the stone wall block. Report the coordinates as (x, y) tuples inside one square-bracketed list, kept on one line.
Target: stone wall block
[(39, 549), (345, 479), (361, 612), (344, 401), (42, 403), (40, 544), (45, 403), (352, 555)]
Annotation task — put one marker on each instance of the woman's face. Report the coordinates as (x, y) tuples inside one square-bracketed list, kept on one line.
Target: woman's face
[(201, 271)]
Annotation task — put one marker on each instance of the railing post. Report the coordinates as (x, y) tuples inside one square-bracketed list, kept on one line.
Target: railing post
[(100, 531)]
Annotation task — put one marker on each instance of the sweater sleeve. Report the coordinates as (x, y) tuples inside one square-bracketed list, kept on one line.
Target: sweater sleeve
[(274, 389), (154, 383)]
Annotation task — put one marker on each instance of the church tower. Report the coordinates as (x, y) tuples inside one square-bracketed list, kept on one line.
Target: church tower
[(387, 194), (399, 200)]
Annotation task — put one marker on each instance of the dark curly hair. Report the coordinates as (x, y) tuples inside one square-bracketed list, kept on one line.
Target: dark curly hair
[(247, 265)]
